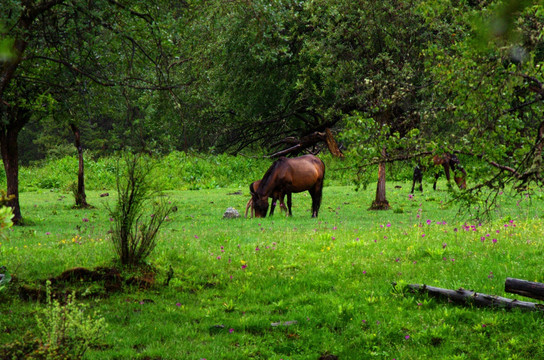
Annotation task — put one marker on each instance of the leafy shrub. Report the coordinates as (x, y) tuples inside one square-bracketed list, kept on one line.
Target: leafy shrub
[(63, 332), (67, 330), (5, 223), (5, 278), (134, 233)]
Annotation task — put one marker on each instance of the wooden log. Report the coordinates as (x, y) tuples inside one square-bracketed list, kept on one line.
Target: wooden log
[(471, 297), (523, 287)]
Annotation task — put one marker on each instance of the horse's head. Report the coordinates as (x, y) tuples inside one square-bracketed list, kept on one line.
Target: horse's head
[(259, 203), (452, 159)]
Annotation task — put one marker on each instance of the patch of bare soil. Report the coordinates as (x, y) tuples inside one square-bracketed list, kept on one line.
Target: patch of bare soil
[(100, 282)]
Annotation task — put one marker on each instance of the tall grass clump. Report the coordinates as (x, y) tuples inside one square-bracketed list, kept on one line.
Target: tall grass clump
[(136, 216)]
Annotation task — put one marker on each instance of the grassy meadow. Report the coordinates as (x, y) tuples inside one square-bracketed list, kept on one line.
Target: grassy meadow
[(287, 288)]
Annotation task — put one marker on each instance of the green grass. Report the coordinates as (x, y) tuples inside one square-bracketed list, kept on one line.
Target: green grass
[(332, 275)]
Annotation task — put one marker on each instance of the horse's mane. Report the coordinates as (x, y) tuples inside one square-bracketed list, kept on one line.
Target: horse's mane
[(268, 174)]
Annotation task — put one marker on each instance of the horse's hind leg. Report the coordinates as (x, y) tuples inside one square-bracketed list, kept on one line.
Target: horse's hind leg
[(316, 193), (446, 171), (289, 204)]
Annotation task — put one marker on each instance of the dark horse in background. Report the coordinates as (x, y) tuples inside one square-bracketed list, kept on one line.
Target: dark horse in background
[(448, 161), (286, 176)]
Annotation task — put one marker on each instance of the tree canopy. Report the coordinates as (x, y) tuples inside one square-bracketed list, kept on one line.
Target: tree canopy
[(391, 80)]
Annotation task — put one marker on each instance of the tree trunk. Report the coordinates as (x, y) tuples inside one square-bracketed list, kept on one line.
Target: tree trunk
[(381, 203), (14, 118), (523, 287), (9, 148), (80, 196), (470, 297)]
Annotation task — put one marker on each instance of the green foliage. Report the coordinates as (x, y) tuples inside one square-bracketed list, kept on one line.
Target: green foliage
[(5, 224), (491, 109), (175, 171), (6, 45), (67, 331), (5, 216), (64, 331), (5, 278)]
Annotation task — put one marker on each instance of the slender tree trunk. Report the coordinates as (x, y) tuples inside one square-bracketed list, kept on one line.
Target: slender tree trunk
[(80, 196), (9, 148), (381, 203)]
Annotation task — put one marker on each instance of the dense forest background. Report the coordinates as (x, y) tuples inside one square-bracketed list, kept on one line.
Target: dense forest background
[(382, 81)]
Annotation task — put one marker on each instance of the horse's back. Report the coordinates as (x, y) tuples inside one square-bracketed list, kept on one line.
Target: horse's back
[(302, 173)]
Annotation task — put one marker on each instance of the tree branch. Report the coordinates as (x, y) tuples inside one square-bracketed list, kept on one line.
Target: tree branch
[(146, 17), (103, 82)]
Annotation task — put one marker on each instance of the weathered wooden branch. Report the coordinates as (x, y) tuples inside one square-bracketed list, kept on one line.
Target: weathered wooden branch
[(331, 144), (297, 145), (292, 149), (470, 297), (523, 287)]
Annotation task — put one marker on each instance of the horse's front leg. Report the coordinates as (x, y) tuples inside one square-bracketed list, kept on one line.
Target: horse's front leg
[(272, 206), (447, 171), (249, 205)]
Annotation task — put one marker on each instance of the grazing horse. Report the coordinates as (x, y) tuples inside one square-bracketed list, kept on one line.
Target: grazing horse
[(276, 196), (448, 161), (287, 176)]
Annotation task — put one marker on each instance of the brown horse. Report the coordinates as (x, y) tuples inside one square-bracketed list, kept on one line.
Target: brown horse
[(287, 176), (276, 196), (448, 161)]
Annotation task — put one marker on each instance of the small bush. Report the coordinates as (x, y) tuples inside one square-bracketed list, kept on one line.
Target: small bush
[(134, 233), (64, 332), (5, 224)]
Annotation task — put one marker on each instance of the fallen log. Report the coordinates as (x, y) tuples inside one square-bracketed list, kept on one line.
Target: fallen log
[(523, 287), (471, 297)]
